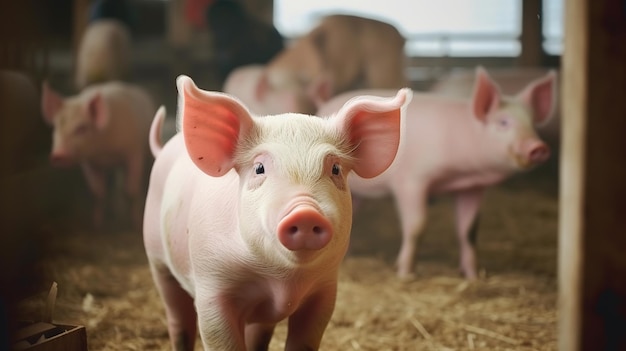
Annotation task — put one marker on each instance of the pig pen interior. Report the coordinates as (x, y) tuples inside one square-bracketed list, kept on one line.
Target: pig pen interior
[(105, 284)]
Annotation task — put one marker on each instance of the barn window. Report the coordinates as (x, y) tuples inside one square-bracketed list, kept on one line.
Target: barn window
[(461, 28)]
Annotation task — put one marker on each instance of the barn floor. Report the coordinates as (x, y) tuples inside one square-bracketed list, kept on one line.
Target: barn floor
[(104, 282)]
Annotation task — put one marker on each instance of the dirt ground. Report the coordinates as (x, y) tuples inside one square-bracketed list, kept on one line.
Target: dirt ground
[(104, 281)]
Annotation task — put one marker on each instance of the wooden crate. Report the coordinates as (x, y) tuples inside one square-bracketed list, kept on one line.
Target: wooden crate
[(42, 336)]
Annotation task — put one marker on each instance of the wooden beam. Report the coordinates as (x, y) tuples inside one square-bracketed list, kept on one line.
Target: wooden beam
[(532, 33), (592, 223), (81, 11)]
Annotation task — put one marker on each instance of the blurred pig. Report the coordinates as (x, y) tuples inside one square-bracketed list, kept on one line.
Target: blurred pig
[(249, 84), (459, 83), (24, 136), (239, 38), (103, 128), (458, 146), (355, 52), (104, 53), (250, 216)]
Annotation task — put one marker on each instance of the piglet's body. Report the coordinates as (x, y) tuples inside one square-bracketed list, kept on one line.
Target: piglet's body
[(103, 128), (247, 218), (457, 146)]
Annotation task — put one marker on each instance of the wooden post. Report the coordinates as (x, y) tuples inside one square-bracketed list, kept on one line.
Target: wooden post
[(81, 10), (592, 222), (532, 37), (179, 32)]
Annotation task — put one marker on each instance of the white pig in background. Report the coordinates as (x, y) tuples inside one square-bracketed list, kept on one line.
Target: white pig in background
[(460, 82), (248, 218), (104, 53), (457, 146), (357, 52), (341, 53), (103, 128), (249, 84)]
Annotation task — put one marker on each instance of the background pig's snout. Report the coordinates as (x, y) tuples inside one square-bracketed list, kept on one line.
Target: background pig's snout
[(538, 152), (61, 160), (304, 228)]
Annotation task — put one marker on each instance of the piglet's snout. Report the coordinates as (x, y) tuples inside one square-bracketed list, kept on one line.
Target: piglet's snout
[(304, 228), (537, 152), (59, 159)]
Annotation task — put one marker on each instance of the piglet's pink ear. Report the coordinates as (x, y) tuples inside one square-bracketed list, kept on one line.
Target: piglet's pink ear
[(212, 125), (486, 95), (540, 95), (51, 103), (97, 110), (373, 125)]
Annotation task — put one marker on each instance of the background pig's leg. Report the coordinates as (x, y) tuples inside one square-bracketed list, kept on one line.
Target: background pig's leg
[(412, 208), (306, 326), (467, 204), (96, 180), (179, 309), (258, 336), (134, 179)]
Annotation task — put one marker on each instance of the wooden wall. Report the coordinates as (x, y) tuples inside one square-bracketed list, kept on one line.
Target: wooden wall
[(592, 235)]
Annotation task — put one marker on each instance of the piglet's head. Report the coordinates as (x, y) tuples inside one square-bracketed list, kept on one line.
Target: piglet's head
[(294, 198), (510, 121), (75, 121)]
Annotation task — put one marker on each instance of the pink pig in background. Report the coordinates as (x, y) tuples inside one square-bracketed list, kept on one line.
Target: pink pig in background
[(249, 84), (457, 146), (103, 128), (248, 218)]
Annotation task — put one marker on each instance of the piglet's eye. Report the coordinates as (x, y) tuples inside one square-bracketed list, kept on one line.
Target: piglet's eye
[(336, 169), (504, 122), (259, 169)]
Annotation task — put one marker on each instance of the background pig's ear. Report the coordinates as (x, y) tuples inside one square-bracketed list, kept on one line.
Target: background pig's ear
[(97, 111), (540, 95), (212, 124), (51, 103), (374, 127), (486, 95), (320, 90), (262, 87)]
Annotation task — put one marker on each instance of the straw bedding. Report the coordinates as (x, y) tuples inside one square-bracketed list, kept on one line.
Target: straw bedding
[(105, 284)]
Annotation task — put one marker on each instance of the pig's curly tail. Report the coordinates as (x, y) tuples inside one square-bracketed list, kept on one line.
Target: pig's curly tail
[(156, 145)]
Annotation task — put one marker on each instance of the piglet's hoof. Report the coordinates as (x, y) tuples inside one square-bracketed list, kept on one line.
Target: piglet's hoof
[(406, 277)]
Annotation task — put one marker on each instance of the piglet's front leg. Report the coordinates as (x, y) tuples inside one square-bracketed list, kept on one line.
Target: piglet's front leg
[(467, 205), (96, 180), (220, 322), (307, 324)]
